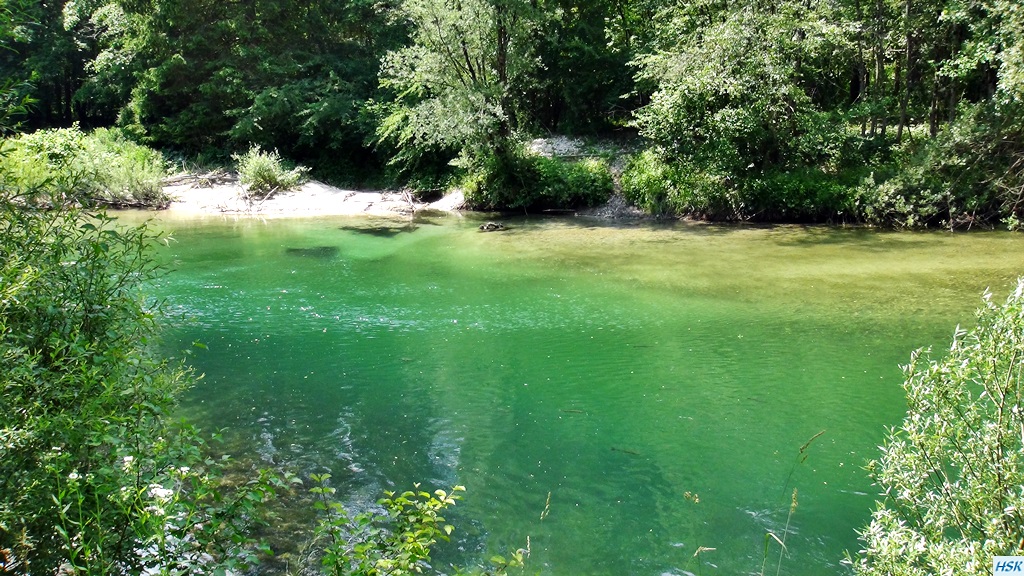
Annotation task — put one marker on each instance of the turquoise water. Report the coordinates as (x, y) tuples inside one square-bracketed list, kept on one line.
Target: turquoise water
[(658, 381)]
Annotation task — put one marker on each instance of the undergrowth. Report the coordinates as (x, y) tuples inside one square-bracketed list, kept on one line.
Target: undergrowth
[(102, 167)]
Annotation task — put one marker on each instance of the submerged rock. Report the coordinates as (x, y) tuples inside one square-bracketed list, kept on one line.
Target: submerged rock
[(315, 252), (492, 227)]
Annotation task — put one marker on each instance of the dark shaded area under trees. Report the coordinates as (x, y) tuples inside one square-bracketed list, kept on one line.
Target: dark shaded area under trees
[(895, 112)]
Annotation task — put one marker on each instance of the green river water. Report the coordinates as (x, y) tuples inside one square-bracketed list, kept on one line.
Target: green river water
[(658, 381)]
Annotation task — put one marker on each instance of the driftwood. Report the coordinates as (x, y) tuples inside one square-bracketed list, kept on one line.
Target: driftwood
[(206, 180), (251, 198)]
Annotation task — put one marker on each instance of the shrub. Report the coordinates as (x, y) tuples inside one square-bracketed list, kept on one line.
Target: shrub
[(529, 181), (962, 178), (393, 540), (127, 173), (264, 173), (94, 479), (678, 188), (799, 195), (648, 182), (953, 473), (101, 167), (562, 184), (911, 198)]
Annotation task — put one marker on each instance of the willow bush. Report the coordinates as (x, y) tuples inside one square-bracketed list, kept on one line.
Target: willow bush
[(96, 477), (521, 180), (953, 473)]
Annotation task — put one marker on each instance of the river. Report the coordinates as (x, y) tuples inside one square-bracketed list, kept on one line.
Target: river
[(621, 394)]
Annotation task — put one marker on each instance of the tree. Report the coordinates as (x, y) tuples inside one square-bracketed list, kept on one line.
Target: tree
[(585, 83), (953, 473), (458, 85), (737, 84), (51, 48), (293, 76)]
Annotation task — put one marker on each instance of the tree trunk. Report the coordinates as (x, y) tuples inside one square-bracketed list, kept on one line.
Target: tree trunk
[(626, 29), (503, 19), (897, 91), (862, 68), (501, 15), (954, 99), (909, 66), (879, 85), (953, 96)]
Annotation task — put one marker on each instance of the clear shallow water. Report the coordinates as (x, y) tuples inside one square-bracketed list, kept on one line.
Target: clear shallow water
[(616, 368)]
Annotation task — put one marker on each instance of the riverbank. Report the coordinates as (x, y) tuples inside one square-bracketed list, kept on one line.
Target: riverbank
[(223, 194), (220, 193)]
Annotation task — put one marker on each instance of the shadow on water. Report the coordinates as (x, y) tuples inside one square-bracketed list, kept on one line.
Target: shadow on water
[(431, 216), (323, 252), (796, 235), (807, 236), (385, 231)]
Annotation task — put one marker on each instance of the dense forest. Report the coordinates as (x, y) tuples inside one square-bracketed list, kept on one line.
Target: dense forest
[(897, 112)]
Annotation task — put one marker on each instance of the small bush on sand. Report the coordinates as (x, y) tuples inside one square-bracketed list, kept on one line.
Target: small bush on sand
[(264, 173)]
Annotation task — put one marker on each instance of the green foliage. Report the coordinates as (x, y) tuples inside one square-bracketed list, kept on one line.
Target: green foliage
[(94, 479), (961, 178), (771, 96), (559, 183), (952, 472), (394, 540), (458, 84), (264, 173), (116, 42), (101, 167), (724, 110), (664, 188), (14, 103), (217, 76), (646, 182), (798, 195), (679, 189), (764, 108), (584, 84), (529, 181), (685, 189)]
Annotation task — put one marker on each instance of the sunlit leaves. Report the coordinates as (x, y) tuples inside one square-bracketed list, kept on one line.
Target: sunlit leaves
[(93, 475), (454, 83), (394, 540)]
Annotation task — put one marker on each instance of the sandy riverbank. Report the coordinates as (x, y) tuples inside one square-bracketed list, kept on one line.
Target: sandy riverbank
[(221, 193), (224, 195)]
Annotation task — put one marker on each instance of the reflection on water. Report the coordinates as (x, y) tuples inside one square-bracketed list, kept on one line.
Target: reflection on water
[(658, 381)]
